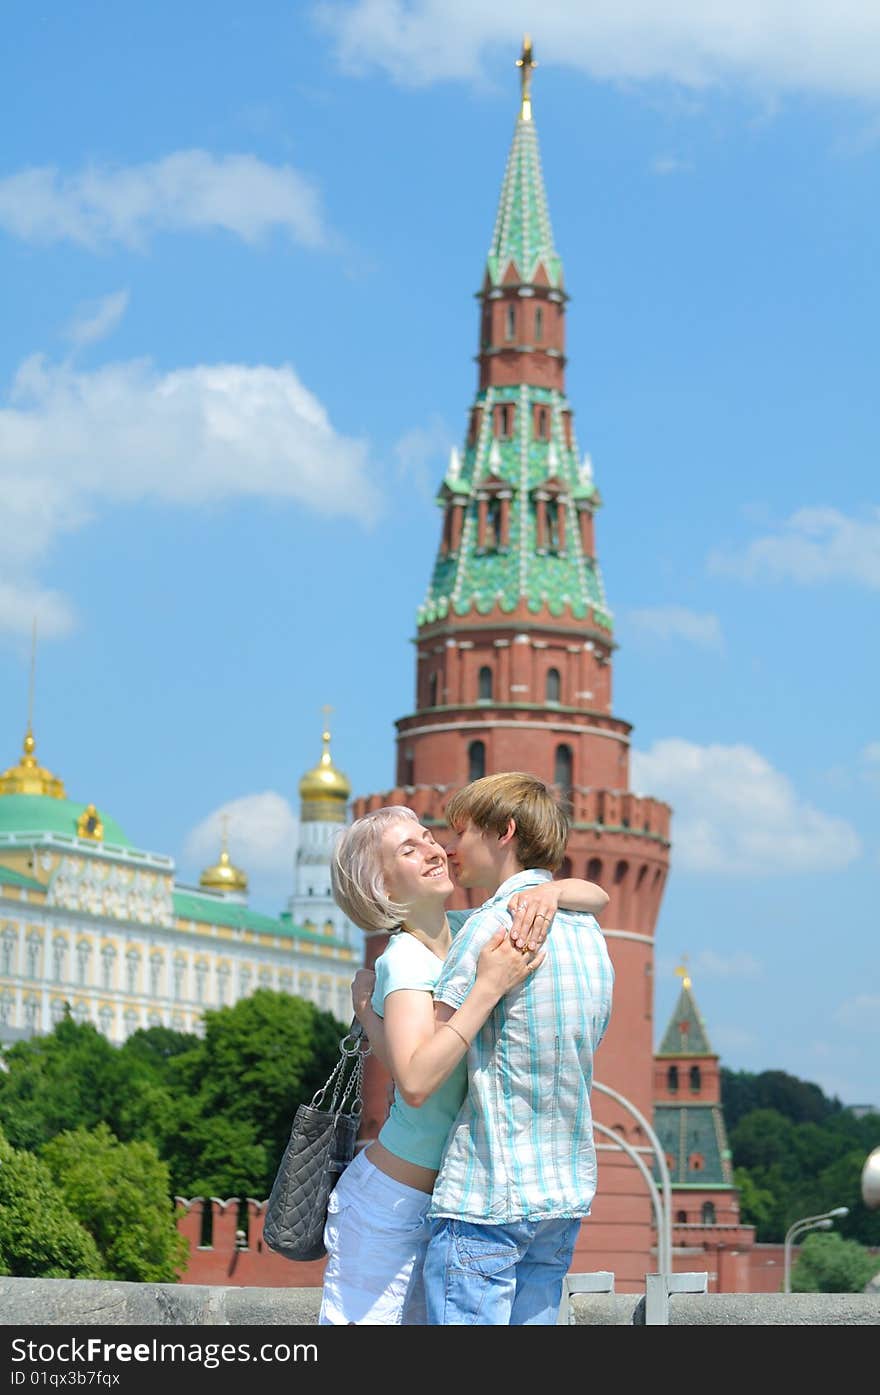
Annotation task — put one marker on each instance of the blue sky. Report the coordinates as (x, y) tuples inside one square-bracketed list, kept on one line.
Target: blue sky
[(239, 250)]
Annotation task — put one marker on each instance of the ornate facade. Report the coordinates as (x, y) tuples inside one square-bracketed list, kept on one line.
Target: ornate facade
[(90, 922)]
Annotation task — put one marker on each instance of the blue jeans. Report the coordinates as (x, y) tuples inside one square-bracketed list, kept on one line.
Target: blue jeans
[(497, 1275)]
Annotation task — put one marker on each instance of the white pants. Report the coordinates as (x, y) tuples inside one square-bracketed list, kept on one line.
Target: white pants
[(376, 1235)]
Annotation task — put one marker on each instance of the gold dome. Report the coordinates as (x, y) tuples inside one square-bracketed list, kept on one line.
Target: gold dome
[(29, 777), (223, 876), (325, 782)]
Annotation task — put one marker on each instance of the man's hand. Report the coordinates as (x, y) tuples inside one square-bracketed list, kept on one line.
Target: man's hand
[(533, 908)]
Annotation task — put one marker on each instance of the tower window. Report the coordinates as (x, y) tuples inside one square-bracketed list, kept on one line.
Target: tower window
[(553, 525), (539, 323), (708, 1213), (510, 323), (493, 525), (432, 690), (672, 1080), (681, 1217), (542, 423), (553, 685), (562, 769), (695, 1081), (476, 760), (484, 691), (505, 421)]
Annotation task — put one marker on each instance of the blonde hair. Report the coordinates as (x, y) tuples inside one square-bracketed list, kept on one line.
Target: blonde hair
[(542, 826), (356, 870)]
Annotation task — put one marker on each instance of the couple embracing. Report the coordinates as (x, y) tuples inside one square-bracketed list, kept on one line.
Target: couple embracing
[(466, 1209)]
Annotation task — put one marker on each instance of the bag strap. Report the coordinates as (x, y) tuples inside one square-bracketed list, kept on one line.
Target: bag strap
[(351, 1047)]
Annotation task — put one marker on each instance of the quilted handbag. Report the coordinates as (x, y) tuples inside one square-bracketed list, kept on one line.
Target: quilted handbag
[(321, 1145)]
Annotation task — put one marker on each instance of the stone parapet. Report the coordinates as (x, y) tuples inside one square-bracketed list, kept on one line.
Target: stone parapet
[(96, 1303)]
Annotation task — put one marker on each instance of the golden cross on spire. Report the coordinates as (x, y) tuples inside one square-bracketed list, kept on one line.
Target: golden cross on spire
[(30, 724), (527, 63), (682, 972), (326, 709)]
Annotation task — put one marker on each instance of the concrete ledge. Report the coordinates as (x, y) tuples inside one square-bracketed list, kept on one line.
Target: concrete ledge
[(89, 1302), (102, 1303)]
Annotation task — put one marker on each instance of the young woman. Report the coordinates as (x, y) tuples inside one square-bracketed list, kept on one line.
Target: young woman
[(390, 873)]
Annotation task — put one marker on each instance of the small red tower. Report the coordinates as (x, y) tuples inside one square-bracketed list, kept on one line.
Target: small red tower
[(514, 666)]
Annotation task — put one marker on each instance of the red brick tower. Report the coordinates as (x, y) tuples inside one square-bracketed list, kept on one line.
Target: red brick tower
[(514, 663)]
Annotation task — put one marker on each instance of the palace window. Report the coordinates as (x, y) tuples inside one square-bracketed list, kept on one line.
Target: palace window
[(708, 1213), (156, 966), (59, 949), (83, 954), (34, 942), (108, 961), (132, 965), (201, 978), (179, 971), (7, 950)]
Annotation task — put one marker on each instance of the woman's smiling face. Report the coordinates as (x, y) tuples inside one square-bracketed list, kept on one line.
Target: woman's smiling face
[(413, 864)]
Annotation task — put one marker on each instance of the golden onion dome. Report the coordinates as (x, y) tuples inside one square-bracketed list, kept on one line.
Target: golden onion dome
[(223, 876), (29, 777), (325, 782)]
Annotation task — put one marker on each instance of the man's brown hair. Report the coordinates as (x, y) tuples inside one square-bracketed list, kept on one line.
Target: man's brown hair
[(542, 826)]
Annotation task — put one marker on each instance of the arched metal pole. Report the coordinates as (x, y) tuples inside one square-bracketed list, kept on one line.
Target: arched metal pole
[(663, 1261), (664, 1241)]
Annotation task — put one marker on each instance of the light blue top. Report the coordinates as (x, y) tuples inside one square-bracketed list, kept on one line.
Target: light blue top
[(417, 1135), (522, 1146)]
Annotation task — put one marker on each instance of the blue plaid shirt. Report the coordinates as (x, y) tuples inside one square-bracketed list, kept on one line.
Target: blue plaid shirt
[(522, 1145)]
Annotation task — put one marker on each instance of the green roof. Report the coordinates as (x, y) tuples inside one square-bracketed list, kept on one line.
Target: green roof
[(210, 910), (9, 877), (691, 1132), (40, 813), (522, 232), (686, 1034)]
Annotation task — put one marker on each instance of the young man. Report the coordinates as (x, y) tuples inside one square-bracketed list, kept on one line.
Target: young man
[(519, 1169)]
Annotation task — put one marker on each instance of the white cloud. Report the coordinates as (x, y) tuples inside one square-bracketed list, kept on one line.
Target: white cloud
[(805, 45), (184, 191), (670, 164), (262, 835), (71, 440), (422, 454), (97, 320), (813, 545), (733, 814), (208, 433), (676, 622), (861, 1013), (21, 604)]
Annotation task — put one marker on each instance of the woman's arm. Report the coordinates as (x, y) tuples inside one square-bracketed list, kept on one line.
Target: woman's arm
[(534, 907), (422, 1053), (362, 986)]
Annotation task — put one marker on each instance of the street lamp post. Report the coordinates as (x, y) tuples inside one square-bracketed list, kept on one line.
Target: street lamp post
[(798, 1228)]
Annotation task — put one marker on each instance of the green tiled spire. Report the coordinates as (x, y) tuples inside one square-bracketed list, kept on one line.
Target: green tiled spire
[(686, 1034), (563, 581), (523, 234)]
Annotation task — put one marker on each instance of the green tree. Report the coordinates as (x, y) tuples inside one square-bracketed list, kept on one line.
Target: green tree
[(256, 1062), (72, 1077), (757, 1205), (120, 1194), (831, 1264), (39, 1236)]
